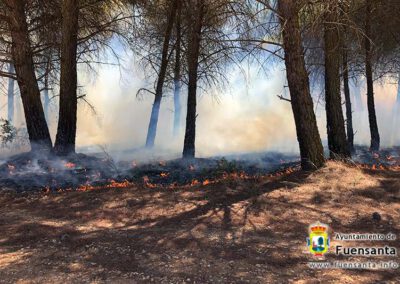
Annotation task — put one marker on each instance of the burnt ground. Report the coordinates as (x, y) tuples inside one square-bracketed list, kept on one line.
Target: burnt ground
[(236, 230), (30, 172)]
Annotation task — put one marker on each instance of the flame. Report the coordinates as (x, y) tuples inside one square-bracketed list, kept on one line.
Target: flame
[(69, 165), (206, 182), (164, 175), (147, 183), (112, 184)]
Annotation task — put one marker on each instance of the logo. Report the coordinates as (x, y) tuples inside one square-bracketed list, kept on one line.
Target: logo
[(318, 240)]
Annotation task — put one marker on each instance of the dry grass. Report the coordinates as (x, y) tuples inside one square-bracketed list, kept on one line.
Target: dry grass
[(234, 231)]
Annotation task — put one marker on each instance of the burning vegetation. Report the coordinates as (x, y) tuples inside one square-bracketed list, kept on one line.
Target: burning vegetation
[(28, 172), (185, 219)]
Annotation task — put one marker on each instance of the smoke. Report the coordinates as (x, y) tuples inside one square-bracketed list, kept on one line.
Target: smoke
[(246, 116)]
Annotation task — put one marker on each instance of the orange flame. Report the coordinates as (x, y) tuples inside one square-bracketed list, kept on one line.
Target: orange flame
[(164, 174), (112, 184), (69, 165)]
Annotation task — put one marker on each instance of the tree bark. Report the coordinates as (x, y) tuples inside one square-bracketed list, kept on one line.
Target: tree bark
[(311, 150), (10, 95), (177, 74), (66, 130), (349, 113), (338, 147), (46, 100), (373, 124), (152, 130), (38, 131), (193, 65)]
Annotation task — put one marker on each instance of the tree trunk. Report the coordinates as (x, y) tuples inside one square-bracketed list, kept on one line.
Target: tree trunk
[(46, 100), (349, 113), (337, 143), (373, 125), (177, 75), (38, 131), (311, 150), (152, 130), (10, 95), (193, 65), (66, 130)]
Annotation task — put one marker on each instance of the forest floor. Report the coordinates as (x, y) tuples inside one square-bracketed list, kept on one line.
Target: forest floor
[(232, 231)]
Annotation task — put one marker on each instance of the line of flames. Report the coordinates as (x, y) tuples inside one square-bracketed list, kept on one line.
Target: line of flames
[(195, 182)]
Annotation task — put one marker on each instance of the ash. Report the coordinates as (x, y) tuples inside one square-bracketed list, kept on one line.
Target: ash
[(29, 172)]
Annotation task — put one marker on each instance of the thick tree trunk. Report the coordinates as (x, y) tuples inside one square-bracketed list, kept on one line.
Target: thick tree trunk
[(311, 150), (66, 130), (177, 75), (38, 131), (373, 125), (193, 65), (337, 143), (10, 95), (152, 130), (349, 113)]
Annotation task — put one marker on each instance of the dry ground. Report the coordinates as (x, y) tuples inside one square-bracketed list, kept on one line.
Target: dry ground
[(234, 231)]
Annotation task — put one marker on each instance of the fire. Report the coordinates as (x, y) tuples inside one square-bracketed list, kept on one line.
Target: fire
[(164, 175), (206, 182), (147, 182), (69, 165), (112, 184)]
